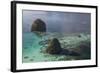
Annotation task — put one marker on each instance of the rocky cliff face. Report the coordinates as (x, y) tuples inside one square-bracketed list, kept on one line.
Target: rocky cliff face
[(39, 26)]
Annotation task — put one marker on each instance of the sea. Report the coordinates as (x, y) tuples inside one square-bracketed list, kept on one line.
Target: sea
[(32, 48)]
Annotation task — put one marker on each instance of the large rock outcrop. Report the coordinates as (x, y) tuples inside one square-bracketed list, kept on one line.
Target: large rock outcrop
[(38, 26), (54, 47), (85, 49)]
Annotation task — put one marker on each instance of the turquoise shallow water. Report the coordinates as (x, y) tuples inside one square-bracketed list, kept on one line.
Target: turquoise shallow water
[(31, 50)]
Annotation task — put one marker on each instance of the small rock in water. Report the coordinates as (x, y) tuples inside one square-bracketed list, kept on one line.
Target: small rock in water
[(26, 57), (31, 60), (79, 36)]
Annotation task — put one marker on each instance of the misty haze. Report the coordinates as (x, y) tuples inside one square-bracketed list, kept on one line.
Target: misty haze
[(58, 21)]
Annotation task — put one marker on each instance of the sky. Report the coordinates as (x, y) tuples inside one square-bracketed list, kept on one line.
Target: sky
[(67, 22)]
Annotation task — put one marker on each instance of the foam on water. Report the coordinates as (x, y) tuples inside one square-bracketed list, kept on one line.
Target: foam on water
[(31, 50)]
